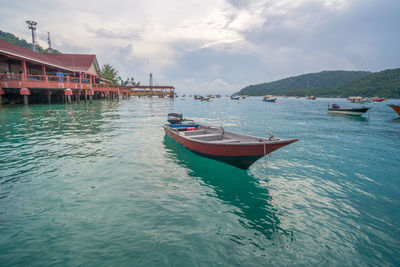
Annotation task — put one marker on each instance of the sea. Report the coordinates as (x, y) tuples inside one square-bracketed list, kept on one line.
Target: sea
[(101, 185)]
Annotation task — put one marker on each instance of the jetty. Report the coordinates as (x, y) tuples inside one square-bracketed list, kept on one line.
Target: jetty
[(27, 76)]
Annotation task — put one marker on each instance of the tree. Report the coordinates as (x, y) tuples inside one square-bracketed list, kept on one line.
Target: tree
[(11, 38), (130, 82), (108, 72)]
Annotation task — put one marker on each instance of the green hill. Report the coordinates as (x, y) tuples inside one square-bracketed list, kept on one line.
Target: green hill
[(318, 84), (333, 84), (11, 38), (384, 83)]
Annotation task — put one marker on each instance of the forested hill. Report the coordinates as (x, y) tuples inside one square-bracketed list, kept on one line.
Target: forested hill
[(318, 84), (384, 83), (11, 38)]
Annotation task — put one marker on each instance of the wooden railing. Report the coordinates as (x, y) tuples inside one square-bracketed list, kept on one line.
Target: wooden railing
[(54, 82)]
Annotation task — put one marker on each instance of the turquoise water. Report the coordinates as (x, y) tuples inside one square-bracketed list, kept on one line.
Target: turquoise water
[(101, 185)]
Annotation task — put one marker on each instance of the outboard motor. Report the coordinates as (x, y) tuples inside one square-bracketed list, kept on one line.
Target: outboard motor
[(175, 118)]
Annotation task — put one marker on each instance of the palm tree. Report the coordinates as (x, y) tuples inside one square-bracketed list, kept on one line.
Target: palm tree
[(130, 82), (108, 72)]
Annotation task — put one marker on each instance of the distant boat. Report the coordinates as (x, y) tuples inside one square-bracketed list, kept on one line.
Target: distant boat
[(311, 97), (359, 99), (378, 99), (336, 109), (269, 98), (205, 98), (395, 108), (237, 149), (234, 97)]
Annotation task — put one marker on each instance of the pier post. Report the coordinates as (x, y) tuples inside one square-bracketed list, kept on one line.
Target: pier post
[(78, 96), (85, 98), (1, 96), (91, 94), (25, 93), (68, 95), (48, 93)]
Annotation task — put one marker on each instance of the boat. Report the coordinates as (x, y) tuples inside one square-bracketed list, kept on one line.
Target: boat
[(205, 98), (269, 98), (336, 109), (378, 99), (311, 97), (395, 108), (234, 97), (236, 149), (359, 99)]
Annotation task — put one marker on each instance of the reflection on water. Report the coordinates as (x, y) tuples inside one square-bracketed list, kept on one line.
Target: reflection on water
[(33, 136), (365, 117), (233, 186)]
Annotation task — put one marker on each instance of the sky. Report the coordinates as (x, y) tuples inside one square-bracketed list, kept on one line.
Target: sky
[(216, 46)]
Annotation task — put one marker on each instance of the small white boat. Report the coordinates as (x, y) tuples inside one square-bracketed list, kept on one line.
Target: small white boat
[(336, 109), (269, 98)]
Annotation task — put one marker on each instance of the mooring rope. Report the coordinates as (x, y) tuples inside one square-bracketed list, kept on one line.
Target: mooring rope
[(270, 206)]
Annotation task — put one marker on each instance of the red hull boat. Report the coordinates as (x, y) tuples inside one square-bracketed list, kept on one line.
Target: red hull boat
[(395, 108), (233, 148)]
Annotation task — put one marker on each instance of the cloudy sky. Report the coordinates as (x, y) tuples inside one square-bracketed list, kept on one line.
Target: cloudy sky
[(217, 46)]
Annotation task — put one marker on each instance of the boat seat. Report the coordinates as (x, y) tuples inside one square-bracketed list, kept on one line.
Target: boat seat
[(198, 132), (207, 137), (225, 141)]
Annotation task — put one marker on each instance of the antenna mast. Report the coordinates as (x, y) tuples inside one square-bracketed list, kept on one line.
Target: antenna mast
[(151, 79), (49, 42), (32, 26)]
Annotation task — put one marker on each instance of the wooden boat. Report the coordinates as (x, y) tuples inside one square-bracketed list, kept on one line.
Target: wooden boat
[(311, 97), (395, 108), (237, 149), (269, 98), (378, 99), (359, 99), (336, 109)]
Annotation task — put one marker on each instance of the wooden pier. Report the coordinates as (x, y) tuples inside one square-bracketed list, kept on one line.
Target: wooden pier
[(147, 90), (26, 75)]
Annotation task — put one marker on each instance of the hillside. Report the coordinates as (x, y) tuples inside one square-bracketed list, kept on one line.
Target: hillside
[(318, 84), (11, 38), (384, 83)]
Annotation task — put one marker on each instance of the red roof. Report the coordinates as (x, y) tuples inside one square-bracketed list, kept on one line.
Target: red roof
[(70, 62)]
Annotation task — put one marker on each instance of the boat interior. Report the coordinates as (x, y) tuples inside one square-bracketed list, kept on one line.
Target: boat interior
[(215, 135)]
